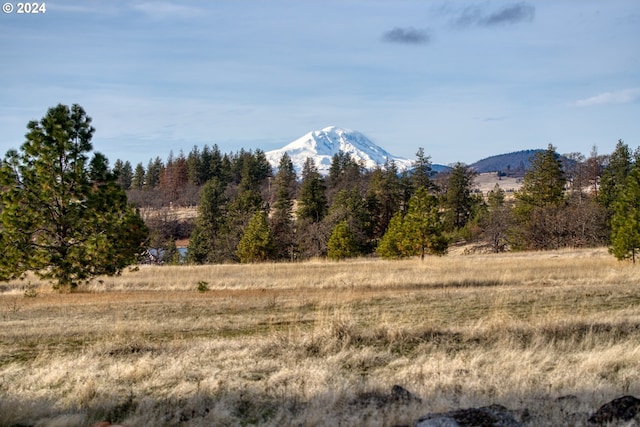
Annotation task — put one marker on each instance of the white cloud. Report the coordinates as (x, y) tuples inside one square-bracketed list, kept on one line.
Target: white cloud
[(163, 10), (625, 96)]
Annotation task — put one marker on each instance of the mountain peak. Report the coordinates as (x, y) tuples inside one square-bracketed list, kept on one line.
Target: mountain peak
[(322, 145)]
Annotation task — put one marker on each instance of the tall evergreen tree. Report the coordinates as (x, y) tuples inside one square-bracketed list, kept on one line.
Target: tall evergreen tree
[(384, 197), (419, 232), (614, 175), (256, 244), (152, 174), (204, 244), (458, 201), (281, 221), (311, 231), (625, 223), (137, 182), (63, 216), (421, 171), (312, 198), (540, 202), (240, 210), (345, 173), (351, 206), (204, 171), (124, 173), (254, 170), (544, 182), (193, 166)]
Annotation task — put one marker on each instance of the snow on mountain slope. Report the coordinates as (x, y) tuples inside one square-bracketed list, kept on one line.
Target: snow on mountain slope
[(322, 145)]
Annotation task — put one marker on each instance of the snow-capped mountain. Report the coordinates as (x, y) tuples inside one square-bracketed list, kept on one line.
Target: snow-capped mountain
[(322, 145)]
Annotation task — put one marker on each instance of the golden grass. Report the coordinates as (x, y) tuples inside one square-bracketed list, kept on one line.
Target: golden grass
[(322, 343)]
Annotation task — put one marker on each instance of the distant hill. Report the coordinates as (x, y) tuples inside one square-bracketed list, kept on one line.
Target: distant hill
[(510, 164)]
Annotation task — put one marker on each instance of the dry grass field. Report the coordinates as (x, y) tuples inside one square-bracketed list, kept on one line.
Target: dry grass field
[(486, 182), (550, 335)]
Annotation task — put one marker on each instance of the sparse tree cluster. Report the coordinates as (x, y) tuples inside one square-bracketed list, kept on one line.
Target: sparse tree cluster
[(569, 201), (247, 214)]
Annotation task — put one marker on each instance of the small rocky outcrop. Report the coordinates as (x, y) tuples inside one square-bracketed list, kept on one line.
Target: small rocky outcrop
[(624, 408), (488, 416)]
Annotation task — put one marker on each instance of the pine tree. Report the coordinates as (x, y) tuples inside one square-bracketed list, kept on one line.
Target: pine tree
[(385, 197), (342, 243), (62, 216), (123, 173), (544, 183), (312, 198), (193, 166), (391, 246), (419, 232), (458, 201), (256, 244), (625, 223), (539, 204), (345, 173), (152, 174), (421, 171), (423, 226), (254, 170), (137, 182), (240, 210), (351, 207), (204, 243), (615, 175), (281, 221)]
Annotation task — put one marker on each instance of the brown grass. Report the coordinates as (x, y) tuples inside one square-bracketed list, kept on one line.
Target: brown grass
[(322, 343)]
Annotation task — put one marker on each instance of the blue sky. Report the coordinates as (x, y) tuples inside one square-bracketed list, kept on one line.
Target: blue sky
[(464, 80)]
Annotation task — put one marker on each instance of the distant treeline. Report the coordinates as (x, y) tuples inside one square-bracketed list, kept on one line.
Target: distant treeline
[(248, 212)]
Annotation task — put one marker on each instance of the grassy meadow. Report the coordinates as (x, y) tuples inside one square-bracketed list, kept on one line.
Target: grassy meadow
[(550, 335)]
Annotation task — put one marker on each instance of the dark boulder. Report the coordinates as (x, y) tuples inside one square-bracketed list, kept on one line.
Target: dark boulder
[(624, 408), (488, 416)]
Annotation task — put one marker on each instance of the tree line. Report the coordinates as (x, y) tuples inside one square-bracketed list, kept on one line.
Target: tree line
[(248, 212)]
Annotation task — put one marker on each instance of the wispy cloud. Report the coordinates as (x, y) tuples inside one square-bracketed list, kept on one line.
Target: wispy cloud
[(162, 10), (494, 119), (509, 14), (625, 96), (407, 36)]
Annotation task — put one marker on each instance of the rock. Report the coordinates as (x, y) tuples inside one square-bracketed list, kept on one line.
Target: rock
[(401, 394), (488, 416), (624, 408), (398, 394)]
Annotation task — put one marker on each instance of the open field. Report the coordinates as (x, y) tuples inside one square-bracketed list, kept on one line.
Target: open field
[(550, 335), (486, 182)]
